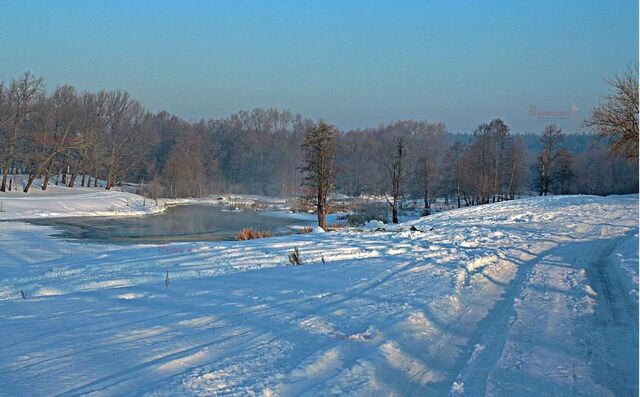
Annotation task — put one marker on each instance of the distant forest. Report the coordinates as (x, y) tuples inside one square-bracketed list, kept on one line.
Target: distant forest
[(75, 138)]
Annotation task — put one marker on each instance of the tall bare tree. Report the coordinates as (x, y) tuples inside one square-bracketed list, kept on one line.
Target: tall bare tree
[(429, 145), (551, 139), (184, 170), (24, 92), (320, 149), (454, 165), (617, 118), (563, 173), (125, 133), (501, 137), (61, 138), (6, 107), (396, 172), (515, 169)]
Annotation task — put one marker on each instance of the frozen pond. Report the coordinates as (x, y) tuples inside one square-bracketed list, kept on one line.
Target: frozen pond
[(179, 223)]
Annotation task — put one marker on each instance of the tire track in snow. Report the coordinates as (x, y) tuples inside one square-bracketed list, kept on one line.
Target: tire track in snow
[(485, 345), (616, 318)]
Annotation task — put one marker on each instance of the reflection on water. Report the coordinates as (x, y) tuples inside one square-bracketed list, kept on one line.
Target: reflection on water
[(180, 223)]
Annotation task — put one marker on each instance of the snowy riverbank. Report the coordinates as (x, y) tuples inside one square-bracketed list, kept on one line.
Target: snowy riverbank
[(60, 201), (530, 297), (82, 202)]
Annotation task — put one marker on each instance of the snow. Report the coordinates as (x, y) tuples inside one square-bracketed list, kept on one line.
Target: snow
[(329, 218), (530, 297), (374, 224), (61, 201)]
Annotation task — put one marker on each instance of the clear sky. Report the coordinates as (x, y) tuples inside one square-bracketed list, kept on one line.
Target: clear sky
[(356, 64)]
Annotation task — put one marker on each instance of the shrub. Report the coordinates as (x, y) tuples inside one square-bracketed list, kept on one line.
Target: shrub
[(295, 258), (303, 206), (305, 230), (368, 212), (248, 233)]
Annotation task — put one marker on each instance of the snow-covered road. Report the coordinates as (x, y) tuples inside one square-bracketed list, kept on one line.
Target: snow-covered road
[(530, 297)]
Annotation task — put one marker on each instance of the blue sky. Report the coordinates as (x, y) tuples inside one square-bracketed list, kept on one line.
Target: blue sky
[(356, 64)]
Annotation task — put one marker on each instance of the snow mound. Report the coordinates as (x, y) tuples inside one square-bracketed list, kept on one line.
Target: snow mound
[(374, 224), (130, 296)]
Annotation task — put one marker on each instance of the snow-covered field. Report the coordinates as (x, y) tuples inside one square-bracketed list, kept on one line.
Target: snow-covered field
[(529, 297)]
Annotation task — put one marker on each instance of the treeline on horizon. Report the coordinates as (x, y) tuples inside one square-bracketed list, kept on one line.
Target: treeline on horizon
[(80, 137)]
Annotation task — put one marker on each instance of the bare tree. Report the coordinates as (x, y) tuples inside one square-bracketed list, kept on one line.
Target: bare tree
[(454, 165), (430, 147), (6, 107), (125, 136), (185, 165), (500, 135), (319, 169), (563, 173), (617, 118), (7, 133), (514, 164), (23, 93), (551, 139), (396, 173), (479, 160), (64, 105)]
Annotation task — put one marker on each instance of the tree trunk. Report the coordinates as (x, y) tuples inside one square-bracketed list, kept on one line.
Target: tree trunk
[(46, 179), (546, 184), (394, 211), (321, 209), (9, 162), (110, 175), (513, 172), (427, 205), (5, 176), (32, 177), (72, 180)]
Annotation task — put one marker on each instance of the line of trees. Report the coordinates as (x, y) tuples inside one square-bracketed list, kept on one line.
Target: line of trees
[(105, 134), (491, 167), (105, 138)]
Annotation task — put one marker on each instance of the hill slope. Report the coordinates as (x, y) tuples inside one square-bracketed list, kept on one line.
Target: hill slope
[(530, 297)]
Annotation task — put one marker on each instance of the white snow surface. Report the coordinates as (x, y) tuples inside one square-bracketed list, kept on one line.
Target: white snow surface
[(61, 201), (525, 298), (374, 224)]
